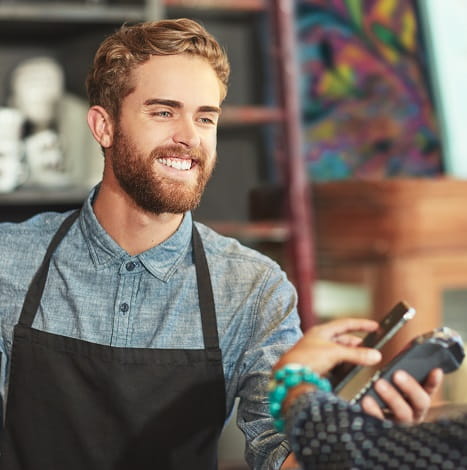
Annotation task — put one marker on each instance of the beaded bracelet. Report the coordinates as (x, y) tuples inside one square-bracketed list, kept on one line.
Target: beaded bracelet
[(284, 379)]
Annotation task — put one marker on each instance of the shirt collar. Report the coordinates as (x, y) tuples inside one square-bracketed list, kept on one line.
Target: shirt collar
[(161, 261)]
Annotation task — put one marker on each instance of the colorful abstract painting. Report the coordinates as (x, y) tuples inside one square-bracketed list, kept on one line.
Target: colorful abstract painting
[(367, 108)]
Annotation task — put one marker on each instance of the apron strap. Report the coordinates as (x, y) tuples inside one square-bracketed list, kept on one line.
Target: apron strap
[(205, 293), (34, 294)]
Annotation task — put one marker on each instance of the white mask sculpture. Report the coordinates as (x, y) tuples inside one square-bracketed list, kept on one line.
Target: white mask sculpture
[(37, 87)]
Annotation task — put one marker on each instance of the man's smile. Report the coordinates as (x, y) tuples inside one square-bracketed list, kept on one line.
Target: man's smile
[(177, 163)]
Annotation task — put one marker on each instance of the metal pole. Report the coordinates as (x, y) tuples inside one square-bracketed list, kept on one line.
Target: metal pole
[(296, 181)]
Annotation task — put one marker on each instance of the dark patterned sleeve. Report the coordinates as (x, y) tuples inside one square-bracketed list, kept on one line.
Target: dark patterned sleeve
[(326, 432)]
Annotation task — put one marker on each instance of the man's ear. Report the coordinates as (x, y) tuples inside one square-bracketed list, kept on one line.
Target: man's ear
[(101, 125)]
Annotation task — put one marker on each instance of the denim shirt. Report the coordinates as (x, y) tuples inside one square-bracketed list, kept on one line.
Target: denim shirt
[(97, 292)]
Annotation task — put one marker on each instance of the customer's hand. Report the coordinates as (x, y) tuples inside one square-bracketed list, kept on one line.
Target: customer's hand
[(410, 403), (324, 346)]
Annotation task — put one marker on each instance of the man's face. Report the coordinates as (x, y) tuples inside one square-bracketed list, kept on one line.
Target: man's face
[(164, 145)]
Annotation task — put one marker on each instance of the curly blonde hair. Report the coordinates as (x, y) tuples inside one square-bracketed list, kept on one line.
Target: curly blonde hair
[(108, 81)]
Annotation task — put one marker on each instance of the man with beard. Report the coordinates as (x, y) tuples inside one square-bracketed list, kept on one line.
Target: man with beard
[(129, 330)]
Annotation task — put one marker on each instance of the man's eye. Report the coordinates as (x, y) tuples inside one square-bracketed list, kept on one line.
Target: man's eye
[(162, 113), (206, 120)]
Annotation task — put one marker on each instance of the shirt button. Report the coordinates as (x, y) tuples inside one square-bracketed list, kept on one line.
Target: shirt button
[(130, 265), (124, 307)]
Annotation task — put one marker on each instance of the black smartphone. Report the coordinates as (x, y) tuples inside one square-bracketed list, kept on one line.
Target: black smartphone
[(399, 315)]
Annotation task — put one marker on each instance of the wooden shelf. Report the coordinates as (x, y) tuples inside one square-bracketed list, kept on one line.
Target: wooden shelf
[(24, 203), (264, 231), (247, 115), (226, 5), (43, 196), (51, 12), (261, 231)]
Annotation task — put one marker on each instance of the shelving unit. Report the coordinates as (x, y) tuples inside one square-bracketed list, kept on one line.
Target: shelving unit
[(68, 32)]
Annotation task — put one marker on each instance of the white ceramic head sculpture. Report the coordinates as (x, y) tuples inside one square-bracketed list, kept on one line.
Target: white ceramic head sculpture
[(37, 85)]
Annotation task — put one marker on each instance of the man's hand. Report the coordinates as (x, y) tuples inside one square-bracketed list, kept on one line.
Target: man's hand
[(411, 403)]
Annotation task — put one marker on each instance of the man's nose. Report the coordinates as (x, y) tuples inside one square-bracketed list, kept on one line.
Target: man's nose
[(186, 133)]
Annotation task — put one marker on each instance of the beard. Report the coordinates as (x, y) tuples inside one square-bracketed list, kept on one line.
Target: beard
[(156, 194)]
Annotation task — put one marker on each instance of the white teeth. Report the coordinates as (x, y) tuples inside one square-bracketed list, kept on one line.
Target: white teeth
[(177, 163)]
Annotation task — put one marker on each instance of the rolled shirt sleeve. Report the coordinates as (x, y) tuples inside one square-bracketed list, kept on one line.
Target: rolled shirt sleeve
[(275, 328)]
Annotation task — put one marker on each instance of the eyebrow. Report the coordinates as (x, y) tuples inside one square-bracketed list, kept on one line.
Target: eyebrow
[(178, 105)]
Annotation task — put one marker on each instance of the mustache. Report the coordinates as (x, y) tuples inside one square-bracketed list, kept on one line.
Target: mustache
[(178, 151)]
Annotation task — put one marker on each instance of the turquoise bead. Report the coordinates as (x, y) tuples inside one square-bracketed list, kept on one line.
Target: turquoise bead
[(279, 423), (279, 375), (293, 380), (293, 368), (310, 377), (279, 393), (275, 409)]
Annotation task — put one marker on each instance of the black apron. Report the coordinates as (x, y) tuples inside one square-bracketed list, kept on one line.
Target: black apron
[(76, 405)]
